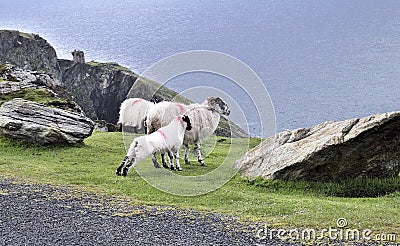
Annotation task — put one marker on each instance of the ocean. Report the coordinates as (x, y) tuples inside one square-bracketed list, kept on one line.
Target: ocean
[(318, 60)]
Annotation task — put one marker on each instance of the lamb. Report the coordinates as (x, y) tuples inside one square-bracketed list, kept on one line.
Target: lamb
[(133, 113), (160, 115), (206, 115), (167, 138)]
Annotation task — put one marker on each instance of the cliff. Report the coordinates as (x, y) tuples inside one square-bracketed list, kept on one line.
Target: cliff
[(98, 88), (29, 52)]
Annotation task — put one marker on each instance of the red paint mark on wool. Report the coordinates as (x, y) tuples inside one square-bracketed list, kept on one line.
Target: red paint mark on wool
[(136, 101), (162, 133), (181, 107), (179, 119)]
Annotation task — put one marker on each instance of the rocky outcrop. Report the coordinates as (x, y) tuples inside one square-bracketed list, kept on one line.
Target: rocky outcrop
[(103, 126), (55, 120), (99, 88), (29, 52), (14, 79), (36, 123), (227, 128), (32, 85), (331, 151)]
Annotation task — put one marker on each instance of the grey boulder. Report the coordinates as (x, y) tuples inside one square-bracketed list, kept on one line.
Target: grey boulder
[(330, 151), (34, 122)]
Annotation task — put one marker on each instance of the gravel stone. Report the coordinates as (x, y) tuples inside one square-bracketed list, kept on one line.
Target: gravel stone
[(33, 214)]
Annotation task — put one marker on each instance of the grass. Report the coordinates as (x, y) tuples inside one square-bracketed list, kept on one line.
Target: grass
[(23, 34), (91, 166), (112, 64), (351, 188), (37, 95), (27, 35)]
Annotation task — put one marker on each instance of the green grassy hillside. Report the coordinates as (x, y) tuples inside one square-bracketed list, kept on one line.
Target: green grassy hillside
[(91, 166)]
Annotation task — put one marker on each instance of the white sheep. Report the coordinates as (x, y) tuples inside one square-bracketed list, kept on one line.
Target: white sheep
[(161, 114), (133, 112), (205, 121), (167, 138)]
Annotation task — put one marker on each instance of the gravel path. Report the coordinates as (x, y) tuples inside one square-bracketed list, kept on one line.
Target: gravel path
[(45, 215)]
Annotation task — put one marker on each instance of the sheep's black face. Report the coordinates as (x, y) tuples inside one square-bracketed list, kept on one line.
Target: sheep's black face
[(219, 105), (186, 119)]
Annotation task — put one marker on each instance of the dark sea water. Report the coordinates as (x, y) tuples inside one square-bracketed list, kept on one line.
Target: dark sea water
[(319, 60)]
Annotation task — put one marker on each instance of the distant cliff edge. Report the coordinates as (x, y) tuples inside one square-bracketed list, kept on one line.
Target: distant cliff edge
[(98, 88)]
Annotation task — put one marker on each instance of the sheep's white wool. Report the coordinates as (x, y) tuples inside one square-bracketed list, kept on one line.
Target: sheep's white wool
[(167, 138), (204, 117), (204, 123), (162, 113), (133, 112)]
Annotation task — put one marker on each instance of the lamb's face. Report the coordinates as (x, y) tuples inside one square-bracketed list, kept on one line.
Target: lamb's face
[(219, 105)]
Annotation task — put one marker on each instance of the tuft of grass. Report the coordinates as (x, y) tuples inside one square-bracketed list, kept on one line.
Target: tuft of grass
[(27, 35), (91, 166), (37, 95), (111, 64), (351, 188)]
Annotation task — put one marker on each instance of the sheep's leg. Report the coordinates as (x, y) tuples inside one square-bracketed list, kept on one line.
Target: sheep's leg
[(155, 162), (119, 169), (128, 167), (176, 155), (171, 158), (164, 162), (187, 161), (199, 157)]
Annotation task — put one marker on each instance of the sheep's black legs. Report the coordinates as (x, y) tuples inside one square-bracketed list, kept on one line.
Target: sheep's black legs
[(155, 162), (187, 161), (119, 169), (163, 160), (176, 156), (199, 158), (171, 158), (197, 149), (128, 167)]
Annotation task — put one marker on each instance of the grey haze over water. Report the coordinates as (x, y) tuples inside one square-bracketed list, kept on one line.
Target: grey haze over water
[(319, 60)]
